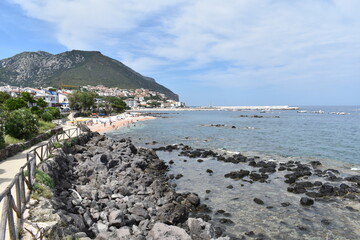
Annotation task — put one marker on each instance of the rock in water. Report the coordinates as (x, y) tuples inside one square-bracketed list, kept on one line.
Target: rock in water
[(306, 201), (258, 201)]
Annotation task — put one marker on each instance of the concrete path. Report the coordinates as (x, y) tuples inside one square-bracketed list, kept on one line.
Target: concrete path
[(11, 166)]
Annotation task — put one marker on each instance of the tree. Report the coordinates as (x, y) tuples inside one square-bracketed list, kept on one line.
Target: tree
[(36, 110), (15, 103), (47, 117), (2, 132), (82, 101), (54, 111), (28, 98), (4, 96), (21, 124), (117, 104), (41, 103), (154, 104)]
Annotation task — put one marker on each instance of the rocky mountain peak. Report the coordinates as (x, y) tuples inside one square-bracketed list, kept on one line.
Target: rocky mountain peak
[(75, 67)]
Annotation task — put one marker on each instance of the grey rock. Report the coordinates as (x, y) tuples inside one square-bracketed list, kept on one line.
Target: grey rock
[(140, 211), (101, 227), (122, 234), (193, 199), (166, 232), (306, 201), (103, 236), (116, 218), (171, 213), (199, 229)]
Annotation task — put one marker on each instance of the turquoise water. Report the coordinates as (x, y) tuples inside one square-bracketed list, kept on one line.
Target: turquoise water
[(312, 135)]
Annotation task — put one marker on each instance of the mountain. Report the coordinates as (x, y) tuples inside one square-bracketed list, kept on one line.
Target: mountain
[(74, 67)]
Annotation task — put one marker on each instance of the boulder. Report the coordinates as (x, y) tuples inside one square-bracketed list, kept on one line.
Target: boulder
[(327, 190), (193, 199), (171, 213), (116, 218), (258, 201), (355, 178), (166, 232), (199, 229), (236, 175), (122, 234), (306, 201)]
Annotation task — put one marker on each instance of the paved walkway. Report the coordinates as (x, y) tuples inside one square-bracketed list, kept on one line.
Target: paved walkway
[(11, 166)]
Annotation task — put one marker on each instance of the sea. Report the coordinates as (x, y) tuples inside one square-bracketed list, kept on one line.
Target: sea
[(329, 134)]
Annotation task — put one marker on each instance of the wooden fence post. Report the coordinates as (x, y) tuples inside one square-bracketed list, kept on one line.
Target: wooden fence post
[(11, 222), (18, 200), (4, 217)]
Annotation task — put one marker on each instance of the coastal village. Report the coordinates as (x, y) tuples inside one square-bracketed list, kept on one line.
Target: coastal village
[(134, 98)]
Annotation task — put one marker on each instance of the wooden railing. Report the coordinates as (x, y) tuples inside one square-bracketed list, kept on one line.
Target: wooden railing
[(13, 208)]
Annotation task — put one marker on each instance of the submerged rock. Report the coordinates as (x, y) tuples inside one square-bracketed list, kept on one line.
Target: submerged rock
[(306, 201)]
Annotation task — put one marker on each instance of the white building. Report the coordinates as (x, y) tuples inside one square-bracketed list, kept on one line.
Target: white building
[(63, 100), (131, 103), (50, 97)]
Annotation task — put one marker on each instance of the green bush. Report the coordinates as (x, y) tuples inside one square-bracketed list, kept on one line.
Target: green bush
[(54, 111), (44, 178), (15, 103), (2, 133), (21, 124), (37, 111), (41, 191), (57, 145), (47, 117)]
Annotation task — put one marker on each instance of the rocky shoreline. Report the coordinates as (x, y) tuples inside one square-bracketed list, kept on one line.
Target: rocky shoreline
[(108, 189), (309, 191)]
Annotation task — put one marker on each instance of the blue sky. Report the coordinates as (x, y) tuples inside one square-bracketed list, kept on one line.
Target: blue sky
[(210, 52)]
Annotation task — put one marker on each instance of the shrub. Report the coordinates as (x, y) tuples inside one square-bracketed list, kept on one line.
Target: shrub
[(21, 124), (57, 145), (37, 111), (47, 117), (2, 133), (15, 103), (54, 111), (44, 178), (41, 191), (43, 185)]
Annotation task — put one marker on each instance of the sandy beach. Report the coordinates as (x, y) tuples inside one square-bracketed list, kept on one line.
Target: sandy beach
[(108, 124), (105, 124)]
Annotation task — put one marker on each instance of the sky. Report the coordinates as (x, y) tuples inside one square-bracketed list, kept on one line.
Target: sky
[(210, 52)]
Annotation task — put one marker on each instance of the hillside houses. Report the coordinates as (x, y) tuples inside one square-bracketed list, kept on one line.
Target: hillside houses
[(53, 98), (134, 98)]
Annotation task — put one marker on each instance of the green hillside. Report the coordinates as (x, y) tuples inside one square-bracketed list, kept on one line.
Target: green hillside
[(74, 68)]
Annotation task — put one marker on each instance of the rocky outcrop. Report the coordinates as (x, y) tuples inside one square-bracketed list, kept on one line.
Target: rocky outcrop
[(108, 189)]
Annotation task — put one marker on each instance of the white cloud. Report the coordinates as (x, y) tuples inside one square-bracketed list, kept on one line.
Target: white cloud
[(234, 42)]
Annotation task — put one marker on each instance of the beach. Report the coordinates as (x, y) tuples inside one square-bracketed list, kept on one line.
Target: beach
[(105, 124)]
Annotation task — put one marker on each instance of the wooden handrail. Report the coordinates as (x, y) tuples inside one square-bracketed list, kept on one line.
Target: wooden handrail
[(22, 195)]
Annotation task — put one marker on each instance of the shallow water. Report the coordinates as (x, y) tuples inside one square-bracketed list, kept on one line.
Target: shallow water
[(332, 139), (272, 219)]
